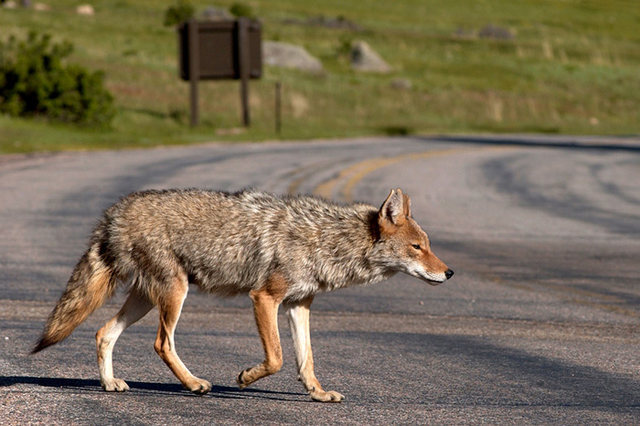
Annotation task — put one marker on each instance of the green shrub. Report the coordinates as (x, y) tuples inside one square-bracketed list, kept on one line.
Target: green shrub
[(35, 81), (240, 10), (182, 11)]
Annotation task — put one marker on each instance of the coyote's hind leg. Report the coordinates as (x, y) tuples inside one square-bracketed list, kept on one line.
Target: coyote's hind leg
[(170, 306), (133, 309)]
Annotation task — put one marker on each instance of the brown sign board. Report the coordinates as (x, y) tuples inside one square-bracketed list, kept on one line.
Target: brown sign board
[(218, 48)]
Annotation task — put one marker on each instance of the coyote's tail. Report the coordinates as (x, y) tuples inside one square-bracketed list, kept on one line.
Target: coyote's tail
[(90, 285)]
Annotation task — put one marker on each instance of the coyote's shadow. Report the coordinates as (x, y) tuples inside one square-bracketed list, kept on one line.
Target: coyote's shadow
[(148, 387)]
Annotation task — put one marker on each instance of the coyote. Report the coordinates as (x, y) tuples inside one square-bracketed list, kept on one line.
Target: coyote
[(279, 250)]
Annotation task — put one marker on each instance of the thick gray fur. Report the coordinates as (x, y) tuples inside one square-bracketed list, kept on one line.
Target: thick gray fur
[(231, 243)]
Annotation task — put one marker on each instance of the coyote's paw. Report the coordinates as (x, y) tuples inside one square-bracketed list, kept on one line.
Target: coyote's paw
[(329, 396), (199, 386), (115, 385), (242, 381)]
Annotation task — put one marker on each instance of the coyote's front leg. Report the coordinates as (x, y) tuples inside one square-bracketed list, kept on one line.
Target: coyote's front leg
[(299, 322), (265, 308)]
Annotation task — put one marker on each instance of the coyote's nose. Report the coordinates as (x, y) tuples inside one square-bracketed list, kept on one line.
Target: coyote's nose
[(448, 273)]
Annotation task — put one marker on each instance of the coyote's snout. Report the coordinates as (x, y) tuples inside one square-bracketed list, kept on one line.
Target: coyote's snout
[(279, 250)]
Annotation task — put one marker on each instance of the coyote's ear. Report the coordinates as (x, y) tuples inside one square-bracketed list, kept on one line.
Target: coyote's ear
[(406, 204), (394, 209)]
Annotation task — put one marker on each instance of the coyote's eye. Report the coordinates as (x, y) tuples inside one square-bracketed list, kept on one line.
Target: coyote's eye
[(416, 246)]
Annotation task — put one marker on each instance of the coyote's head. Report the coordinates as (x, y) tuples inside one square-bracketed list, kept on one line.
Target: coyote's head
[(403, 246)]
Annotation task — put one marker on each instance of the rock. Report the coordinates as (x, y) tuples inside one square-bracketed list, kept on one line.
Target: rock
[(287, 55), (41, 7), (85, 9), (364, 58), (216, 14), (401, 84), (495, 32)]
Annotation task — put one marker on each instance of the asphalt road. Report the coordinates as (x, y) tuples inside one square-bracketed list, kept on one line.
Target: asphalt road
[(538, 325)]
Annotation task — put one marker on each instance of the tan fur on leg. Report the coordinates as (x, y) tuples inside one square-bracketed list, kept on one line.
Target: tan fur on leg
[(133, 309), (265, 308), (170, 307), (299, 322)]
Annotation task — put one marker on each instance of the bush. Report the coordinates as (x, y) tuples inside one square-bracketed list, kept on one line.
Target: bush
[(182, 11), (241, 10), (35, 81)]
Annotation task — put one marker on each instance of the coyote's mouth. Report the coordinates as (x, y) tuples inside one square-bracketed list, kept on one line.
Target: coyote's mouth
[(433, 279)]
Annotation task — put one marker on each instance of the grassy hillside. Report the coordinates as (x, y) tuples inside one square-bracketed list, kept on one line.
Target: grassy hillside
[(570, 66)]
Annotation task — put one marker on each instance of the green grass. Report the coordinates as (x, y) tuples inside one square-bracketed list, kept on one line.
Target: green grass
[(572, 67)]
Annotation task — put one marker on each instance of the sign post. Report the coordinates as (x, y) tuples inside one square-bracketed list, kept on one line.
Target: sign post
[(194, 65), (220, 50), (243, 64)]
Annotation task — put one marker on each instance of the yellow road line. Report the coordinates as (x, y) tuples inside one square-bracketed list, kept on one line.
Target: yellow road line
[(303, 173), (353, 174)]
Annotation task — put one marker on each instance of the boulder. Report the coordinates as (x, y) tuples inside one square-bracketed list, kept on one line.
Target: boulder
[(364, 58), (85, 9), (495, 32), (287, 55), (41, 7)]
